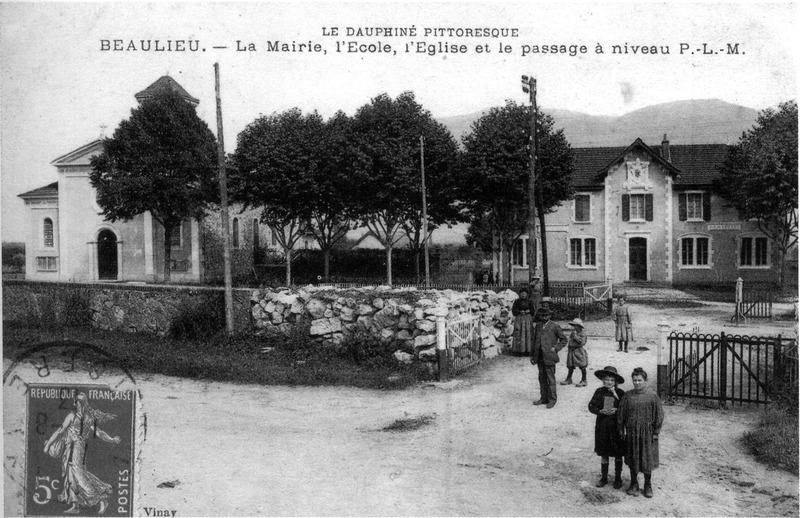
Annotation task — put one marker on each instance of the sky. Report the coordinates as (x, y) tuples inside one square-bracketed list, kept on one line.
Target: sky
[(59, 85)]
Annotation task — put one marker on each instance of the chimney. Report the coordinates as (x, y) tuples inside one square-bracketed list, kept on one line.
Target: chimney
[(665, 149)]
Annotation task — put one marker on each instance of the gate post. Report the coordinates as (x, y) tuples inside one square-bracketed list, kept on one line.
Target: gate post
[(778, 372), (723, 370), (610, 299), (441, 349), (662, 383)]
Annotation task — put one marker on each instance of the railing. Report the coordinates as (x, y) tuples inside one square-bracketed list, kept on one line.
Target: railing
[(743, 369), (462, 344)]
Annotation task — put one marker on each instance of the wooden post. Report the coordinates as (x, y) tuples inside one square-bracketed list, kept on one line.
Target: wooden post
[(223, 193), (723, 369), (662, 375), (778, 371), (424, 213), (441, 349)]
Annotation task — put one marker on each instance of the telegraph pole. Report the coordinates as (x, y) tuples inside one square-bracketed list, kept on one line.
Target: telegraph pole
[(529, 87), (223, 193), (424, 213)]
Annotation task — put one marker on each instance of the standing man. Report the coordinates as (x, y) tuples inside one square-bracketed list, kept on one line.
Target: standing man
[(548, 339)]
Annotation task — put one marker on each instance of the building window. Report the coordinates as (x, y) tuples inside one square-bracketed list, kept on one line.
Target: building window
[(694, 251), (48, 233), (518, 255), (694, 206), (582, 208), (274, 237), (637, 207), (753, 251), (235, 233), (582, 252), (256, 237), (47, 264), (176, 238)]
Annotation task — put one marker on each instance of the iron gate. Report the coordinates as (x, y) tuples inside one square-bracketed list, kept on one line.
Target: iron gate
[(464, 348), (743, 369)]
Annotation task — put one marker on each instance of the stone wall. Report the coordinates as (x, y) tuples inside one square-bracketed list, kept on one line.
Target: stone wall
[(122, 307), (405, 317)]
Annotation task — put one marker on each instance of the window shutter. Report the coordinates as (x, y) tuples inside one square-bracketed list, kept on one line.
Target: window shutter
[(626, 207), (648, 207), (707, 206), (682, 206)]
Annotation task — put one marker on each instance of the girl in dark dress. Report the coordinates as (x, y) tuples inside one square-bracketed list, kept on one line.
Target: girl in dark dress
[(639, 420), (607, 442)]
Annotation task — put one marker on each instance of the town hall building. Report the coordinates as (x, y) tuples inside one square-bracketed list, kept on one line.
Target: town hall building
[(648, 214)]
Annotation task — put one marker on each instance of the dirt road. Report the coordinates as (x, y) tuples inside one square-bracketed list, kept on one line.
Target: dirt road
[(480, 448)]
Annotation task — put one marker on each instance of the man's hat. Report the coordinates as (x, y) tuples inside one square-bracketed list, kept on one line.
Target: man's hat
[(544, 311), (576, 322), (609, 371)]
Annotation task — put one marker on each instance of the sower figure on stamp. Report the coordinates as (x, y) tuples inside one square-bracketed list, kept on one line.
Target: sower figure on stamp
[(548, 339), (80, 488)]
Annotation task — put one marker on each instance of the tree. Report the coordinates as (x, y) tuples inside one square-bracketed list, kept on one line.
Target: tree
[(275, 167), (162, 160), (759, 178), (331, 203), (387, 170), (494, 185)]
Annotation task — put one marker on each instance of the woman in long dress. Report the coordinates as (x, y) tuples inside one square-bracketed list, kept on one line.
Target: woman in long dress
[(639, 421), (80, 487), (624, 326), (523, 309)]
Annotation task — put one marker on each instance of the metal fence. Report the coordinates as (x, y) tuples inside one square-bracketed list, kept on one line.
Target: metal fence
[(463, 340), (728, 368)]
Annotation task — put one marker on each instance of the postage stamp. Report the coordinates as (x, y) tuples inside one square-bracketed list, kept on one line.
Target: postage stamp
[(73, 430)]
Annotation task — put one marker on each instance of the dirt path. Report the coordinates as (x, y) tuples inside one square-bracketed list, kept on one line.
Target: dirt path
[(482, 448)]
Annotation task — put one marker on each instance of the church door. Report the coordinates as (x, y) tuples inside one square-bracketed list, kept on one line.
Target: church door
[(106, 255)]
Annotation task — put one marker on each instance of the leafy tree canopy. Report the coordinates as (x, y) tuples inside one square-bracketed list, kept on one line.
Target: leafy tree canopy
[(759, 176)]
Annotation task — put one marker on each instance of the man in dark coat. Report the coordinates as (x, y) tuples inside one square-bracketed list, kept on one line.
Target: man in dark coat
[(548, 339)]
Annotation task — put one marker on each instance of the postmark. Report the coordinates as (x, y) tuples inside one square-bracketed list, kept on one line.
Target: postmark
[(73, 430)]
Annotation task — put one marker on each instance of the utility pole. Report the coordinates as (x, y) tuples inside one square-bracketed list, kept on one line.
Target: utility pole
[(529, 87), (223, 193), (424, 213)]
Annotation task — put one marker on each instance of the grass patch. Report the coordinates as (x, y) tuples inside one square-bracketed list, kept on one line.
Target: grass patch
[(774, 440), (292, 360)]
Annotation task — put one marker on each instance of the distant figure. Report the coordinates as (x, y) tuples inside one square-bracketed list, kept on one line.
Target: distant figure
[(544, 303), (522, 309), (622, 320), (548, 339), (485, 277), (607, 442), (69, 442), (576, 354), (639, 421)]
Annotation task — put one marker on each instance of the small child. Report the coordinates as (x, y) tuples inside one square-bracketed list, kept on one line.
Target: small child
[(576, 354), (607, 442)]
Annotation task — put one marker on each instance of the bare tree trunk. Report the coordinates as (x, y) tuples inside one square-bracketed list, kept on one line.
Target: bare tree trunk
[(288, 267), (327, 256), (416, 263), (389, 264)]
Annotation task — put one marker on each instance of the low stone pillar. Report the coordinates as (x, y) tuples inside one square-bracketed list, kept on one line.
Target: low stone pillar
[(441, 349)]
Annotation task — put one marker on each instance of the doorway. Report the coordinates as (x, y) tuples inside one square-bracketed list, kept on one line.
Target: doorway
[(637, 256), (107, 255)]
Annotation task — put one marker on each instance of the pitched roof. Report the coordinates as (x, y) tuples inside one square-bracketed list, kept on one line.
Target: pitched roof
[(80, 156), (48, 191), (695, 164), (165, 84)]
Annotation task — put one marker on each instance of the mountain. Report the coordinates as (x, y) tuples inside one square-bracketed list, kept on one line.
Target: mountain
[(698, 121)]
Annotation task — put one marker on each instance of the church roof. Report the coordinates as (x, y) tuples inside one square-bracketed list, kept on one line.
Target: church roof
[(48, 191), (165, 84), (693, 164), (80, 156)]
